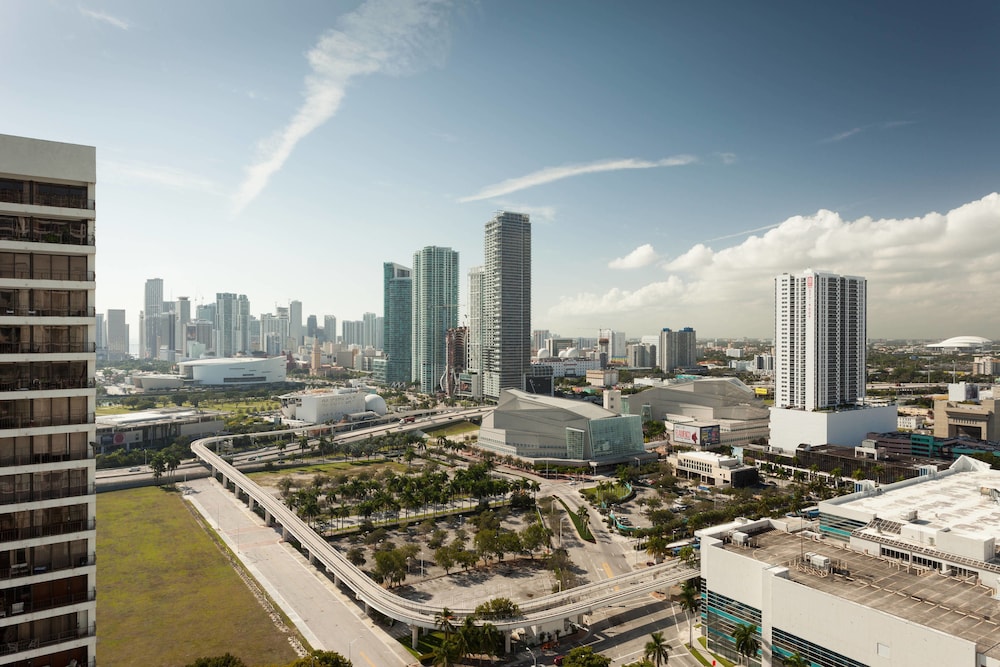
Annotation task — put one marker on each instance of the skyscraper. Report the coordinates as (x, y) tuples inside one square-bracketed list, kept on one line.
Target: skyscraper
[(506, 324), (435, 310), (819, 340), (152, 309), (330, 328), (117, 335), (232, 324), (676, 349), (295, 322), (397, 306), (47, 402), (368, 335)]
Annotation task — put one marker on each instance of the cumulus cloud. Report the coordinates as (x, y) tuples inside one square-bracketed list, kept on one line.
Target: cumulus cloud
[(929, 276), (394, 37), (551, 174), (642, 256), (121, 24)]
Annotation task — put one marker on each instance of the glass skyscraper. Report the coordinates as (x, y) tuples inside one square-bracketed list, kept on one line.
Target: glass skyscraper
[(435, 310)]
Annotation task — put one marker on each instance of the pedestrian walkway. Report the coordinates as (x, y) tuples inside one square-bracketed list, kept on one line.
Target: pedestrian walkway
[(327, 618)]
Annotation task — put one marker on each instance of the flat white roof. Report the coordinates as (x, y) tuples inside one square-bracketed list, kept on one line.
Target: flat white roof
[(960, 501)]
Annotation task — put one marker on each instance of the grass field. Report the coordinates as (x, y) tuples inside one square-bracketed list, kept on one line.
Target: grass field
[(453, 429), (167, 593)]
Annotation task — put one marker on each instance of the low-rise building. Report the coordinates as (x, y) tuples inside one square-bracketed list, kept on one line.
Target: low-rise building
[(155, 428), (903, 574), (715, 469), (234, 371), (318, 406)]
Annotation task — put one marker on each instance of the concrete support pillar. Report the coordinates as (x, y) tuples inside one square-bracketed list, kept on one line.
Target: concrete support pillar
[(579, 619), (414, 636), (268, 519), (336, 579), (506, 641), (285, 534), (312, 558), (367, 609)]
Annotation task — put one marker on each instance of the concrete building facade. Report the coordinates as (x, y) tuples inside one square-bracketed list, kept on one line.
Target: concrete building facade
[(47, 403), (435, 310)]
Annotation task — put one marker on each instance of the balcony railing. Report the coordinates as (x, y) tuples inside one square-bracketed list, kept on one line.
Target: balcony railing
[(34, 384), (23, 274), (52, 602), (24, 421), (46, 348), (12, 497), (47, 639), (82, 454), (47, 199), (30, 532), (47, 312), (40, 230)]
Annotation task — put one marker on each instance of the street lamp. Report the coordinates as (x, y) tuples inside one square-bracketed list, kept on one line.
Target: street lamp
[(561, 519)]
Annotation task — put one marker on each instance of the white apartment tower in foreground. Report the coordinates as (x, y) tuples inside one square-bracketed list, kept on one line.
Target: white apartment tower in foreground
[(506, 302), (819, 340), (47, 402)]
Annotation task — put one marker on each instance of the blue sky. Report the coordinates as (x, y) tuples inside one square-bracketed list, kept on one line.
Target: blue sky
[(674, 157)]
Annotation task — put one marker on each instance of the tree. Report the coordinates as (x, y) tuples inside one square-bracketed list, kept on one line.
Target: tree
[(322, 659), (227, 660), (795, 660), (657, 648), (498, 608), (584, 656), (690, 601), (445, 622), (158, 464), (745, 637)]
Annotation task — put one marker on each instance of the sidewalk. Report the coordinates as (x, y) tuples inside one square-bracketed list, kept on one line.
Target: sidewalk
[(327, 618)]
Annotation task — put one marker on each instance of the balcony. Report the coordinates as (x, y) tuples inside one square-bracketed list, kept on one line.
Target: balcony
[(45, 194), (25, 421), (74, 491), (51, 602), (47, 348), (46, 312), (37, 384), (40, 230), (23, 569), (48, 639), (23, 274), (48, 530)]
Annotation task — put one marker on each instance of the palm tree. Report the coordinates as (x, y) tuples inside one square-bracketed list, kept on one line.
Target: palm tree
[(690, 601), (796, 660), (444, 622), (657, 648), (745, 636)]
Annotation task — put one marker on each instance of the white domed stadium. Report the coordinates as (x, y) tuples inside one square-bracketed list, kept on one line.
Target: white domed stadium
[(963, 343), (376, 404)]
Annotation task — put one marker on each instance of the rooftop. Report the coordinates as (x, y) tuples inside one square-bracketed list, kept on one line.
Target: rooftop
[(952, 605), (154, 416)]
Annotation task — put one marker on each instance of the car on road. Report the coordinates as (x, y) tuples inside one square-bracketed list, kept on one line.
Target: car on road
[(134, 469), (558, 660)]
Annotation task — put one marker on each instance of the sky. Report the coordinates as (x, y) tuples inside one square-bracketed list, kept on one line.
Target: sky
[(673, 156)]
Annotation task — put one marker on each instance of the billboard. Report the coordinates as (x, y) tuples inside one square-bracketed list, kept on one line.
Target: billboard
[(700, 436)]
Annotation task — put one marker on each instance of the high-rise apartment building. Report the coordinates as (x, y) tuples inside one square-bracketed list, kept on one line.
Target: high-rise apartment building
[(47, 403), (232, 324), (677, 349), (295, 329), (397, 325), (330, 328), (819, 340), (183, 310), (506, 325), (474, 344), (352, 332), (151, 310), (435, 310), (117, 335), (369, 336)]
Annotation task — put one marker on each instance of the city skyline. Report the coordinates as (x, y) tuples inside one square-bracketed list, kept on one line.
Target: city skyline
[(673, 158)]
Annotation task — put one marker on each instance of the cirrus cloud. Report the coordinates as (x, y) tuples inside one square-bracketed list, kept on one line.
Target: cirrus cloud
[(552, 174)]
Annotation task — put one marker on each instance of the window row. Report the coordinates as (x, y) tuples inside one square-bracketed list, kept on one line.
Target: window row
[(32, 524), (45, 595), (17, 191), (39, 266), (44, 375), (46, 448), (47, 485), (44, 339), (45, 230), (47, 411), (45, 302), (44, 632)]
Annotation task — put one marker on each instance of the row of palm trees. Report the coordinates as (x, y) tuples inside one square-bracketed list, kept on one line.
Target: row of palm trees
[(465, 639)]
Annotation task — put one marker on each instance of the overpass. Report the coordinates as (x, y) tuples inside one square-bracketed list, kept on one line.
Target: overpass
[(569, 605)]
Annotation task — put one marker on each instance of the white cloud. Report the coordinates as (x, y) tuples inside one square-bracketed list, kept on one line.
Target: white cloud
[(392, 37), (727, 158), (930, 276), (885, 125), (161, 175), (642, 256), (121, 24), (551, 174), (537, 213), (842, 135)]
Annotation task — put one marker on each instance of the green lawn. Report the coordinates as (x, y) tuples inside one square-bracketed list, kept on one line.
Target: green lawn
[(453, 429), (167, 595)]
